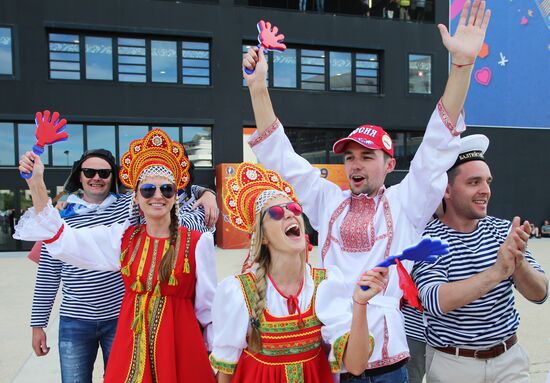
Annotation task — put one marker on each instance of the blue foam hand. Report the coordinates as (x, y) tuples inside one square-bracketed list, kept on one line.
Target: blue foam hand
[(427, 250)]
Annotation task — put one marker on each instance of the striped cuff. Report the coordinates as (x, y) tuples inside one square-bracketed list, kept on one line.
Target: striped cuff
[(430, 300), (222, 366)]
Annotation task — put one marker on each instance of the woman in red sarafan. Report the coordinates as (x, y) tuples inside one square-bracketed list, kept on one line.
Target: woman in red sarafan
[(169, 272), (271, 321)]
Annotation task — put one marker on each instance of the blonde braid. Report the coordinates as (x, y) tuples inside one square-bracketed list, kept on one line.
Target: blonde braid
[(165, 267), (255, 340)]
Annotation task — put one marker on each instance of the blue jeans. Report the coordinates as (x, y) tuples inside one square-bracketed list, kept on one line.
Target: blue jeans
[(78, 345), (302, 5), (396, 376), (320, 5)]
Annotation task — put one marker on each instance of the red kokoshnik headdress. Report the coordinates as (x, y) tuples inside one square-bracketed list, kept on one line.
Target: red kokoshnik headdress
[(154, 154)]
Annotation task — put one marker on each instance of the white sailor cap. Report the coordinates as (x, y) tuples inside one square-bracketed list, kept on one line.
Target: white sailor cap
[(472, 148)]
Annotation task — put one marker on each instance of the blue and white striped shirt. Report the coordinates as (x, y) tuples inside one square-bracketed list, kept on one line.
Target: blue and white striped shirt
[(88, 294), (485, 321)]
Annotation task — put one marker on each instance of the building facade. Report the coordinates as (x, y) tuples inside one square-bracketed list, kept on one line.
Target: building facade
[(115, 69)]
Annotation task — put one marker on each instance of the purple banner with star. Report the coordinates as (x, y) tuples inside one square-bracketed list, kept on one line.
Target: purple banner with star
[(511, 79)]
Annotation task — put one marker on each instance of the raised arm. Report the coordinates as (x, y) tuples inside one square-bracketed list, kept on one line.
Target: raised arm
[(463, 47), (423, 187), (257, 85), (274, 150), (30, 162)]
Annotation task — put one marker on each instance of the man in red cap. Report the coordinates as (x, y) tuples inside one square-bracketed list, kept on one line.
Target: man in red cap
[(360, 227)]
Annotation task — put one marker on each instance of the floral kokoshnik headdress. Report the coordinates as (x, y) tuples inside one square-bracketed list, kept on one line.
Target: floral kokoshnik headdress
[(246, 194)]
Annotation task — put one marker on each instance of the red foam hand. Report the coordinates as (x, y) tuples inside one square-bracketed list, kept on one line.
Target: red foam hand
[(49, 130), (269, 37), (410, 292)]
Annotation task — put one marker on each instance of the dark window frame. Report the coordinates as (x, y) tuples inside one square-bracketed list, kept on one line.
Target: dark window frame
[(407, 61), (326, 52), (180, 50), (49, 161), (80, 58), (179, 40), (12, 46)]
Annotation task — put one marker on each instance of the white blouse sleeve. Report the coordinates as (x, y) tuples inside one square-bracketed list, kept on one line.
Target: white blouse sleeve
[(334, 308), (423, 187), (205, 256), (95, 248), (230, 324)]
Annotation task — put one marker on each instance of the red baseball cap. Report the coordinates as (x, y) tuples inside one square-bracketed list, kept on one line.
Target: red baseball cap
[(369, 136)]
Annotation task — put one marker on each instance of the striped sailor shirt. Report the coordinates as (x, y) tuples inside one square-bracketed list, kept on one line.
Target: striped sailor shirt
[(486, 321)]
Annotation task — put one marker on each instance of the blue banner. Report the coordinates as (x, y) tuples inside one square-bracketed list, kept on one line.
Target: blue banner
[(511, 79)]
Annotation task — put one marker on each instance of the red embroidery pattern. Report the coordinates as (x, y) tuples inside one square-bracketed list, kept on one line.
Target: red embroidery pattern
[(389, 361), (386, 339), (446, 119), (389, 225), (357, 231), (333, 218), (386, 359), (257, 138)]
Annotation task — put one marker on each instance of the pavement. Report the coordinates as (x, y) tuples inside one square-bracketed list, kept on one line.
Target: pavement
[(18, 364)]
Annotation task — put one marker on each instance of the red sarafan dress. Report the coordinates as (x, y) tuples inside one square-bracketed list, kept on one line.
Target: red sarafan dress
[(158, 337), (291, 350)]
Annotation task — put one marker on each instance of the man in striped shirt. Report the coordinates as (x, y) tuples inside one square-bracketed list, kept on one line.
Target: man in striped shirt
[(91, 299), (467, 295)]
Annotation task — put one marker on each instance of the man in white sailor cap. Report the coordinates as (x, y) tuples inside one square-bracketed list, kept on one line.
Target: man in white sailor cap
[(467, 295)]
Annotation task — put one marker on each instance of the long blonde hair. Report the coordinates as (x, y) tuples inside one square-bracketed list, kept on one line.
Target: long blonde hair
[(262, 258)]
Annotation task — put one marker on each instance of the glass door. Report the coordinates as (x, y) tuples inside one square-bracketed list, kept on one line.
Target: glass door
[(7, 220)]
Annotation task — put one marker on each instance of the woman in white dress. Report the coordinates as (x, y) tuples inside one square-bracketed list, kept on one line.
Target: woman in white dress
[(270, 322)]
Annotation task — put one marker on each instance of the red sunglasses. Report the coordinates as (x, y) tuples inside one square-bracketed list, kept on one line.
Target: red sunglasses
[(277, 212)]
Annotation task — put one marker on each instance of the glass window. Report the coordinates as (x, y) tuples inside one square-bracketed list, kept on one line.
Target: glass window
[(131, 60), (284, 68), (172, 131), (197, 140), (313, 69), (405, 146), (164, 61), (414, 139), (66, 152), (99, 58), (399, 150), (101, 137), (7, 144), (6, 52), (7, 220), (64, 56), (340, 71), (367, 72), (420, 74), (27, 138), (128, 133), (315, 145), (195, 63)]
